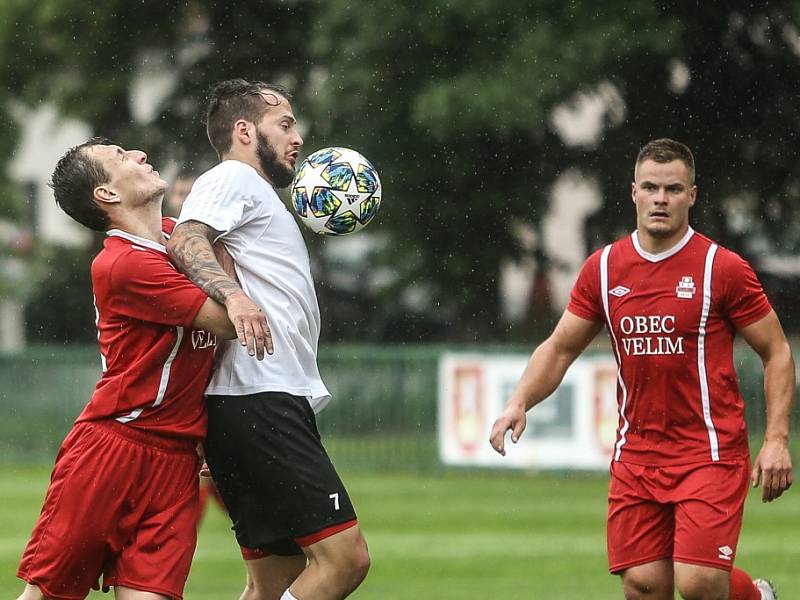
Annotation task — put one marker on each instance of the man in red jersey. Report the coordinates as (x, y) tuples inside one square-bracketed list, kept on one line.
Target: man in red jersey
[(123, 496), (672, 301)]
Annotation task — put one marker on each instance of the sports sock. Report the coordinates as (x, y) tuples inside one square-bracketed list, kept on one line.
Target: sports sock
[(742, 586), (287, 595)]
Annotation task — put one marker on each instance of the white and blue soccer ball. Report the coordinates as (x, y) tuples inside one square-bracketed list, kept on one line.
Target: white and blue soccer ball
[(336, 191)]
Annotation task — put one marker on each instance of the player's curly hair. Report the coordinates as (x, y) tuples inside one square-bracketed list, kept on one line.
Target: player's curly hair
[(665, 150), (73, 181), (234, 99)]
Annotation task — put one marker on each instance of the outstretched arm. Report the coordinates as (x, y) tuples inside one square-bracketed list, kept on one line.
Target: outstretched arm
[(214, 318), (545, 370), (773, 465), (190, 248)]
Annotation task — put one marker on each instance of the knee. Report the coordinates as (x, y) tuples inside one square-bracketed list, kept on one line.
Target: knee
[(341, 560), (352, 562), (31, 592), (250, 592), (703, 587), (641, 587), (358, 561)]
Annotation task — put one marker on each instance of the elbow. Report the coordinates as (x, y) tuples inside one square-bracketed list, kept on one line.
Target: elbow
[(783, 353), (171, 243), (228, 332), (779, 359)]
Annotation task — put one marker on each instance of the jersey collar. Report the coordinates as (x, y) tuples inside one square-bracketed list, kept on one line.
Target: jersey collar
[(139, 241), (666, 253)]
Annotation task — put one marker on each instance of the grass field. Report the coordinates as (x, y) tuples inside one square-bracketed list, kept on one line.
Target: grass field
[(450, 536)]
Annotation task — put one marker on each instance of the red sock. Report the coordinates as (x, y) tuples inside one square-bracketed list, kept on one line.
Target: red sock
[(742, 587)]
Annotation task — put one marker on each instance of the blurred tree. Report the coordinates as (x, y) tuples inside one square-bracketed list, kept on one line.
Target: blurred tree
[(137, 72), (738, 109), (60, 309), (454, 103), (89, 57)]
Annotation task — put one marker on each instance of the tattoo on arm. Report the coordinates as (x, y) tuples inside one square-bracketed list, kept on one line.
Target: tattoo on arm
[(190, 249)]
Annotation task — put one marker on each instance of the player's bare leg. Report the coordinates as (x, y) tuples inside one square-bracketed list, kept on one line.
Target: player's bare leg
[(126, 593), (695, 582), (651, 581), (31, 592), (336, 567), (268, 577)]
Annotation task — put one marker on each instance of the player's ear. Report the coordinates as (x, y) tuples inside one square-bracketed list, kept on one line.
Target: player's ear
[(242, 132), (105, 195), (693, 195), (633, 192)]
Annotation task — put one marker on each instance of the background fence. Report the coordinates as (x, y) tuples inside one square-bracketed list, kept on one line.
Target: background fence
[(383, 415)]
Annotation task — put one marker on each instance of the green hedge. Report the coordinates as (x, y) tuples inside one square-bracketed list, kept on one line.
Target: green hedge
[(383, 415)]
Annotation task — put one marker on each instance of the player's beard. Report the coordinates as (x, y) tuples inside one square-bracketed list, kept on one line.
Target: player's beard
[(279, 174)]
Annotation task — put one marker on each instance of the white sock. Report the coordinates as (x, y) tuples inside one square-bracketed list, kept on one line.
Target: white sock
[(287, 595)]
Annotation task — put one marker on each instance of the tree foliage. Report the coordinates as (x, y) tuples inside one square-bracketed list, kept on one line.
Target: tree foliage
[(453, 103), (453, 99)]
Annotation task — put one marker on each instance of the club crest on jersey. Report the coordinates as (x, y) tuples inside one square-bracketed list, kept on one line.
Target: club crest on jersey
[(619, 291), (685, 288)]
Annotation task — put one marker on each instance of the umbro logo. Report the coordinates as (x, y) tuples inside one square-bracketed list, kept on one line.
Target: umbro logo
[(725, 552), (619, 291)]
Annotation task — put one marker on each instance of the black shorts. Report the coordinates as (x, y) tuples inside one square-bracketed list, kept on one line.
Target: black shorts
[(273, 473)]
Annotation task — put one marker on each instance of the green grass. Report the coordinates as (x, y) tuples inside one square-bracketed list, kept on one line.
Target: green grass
[(452, 536)]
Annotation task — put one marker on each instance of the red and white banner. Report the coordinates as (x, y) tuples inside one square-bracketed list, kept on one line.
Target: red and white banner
[(575, 428)]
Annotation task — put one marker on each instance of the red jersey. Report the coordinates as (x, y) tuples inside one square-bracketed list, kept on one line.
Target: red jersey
[(672, 318), (155, 368)]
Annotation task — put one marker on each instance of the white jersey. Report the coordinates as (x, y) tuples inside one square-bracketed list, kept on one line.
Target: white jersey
[(274, 270)]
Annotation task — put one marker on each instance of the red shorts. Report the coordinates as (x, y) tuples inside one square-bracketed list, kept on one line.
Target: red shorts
[(688, 513), (122, 503)]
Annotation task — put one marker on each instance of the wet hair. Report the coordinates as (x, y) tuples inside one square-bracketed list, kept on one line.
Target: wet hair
[(234, 99), (74, 179), (665, 150)]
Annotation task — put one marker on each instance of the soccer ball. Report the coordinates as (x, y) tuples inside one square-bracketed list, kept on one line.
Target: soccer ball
[(336, 191)]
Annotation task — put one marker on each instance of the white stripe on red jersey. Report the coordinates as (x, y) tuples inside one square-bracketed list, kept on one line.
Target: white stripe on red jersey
[(701, 354), (153, 376), (672, 318)]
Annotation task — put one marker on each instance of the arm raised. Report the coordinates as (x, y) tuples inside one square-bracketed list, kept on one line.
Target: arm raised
[(191, 250), (545, 370), (213, 317)]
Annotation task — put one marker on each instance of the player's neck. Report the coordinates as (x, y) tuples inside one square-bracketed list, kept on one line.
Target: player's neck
[(144, 222), (246, 158), (656, 244)]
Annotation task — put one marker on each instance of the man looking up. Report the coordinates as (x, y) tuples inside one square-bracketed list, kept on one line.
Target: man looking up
[(123, 496)]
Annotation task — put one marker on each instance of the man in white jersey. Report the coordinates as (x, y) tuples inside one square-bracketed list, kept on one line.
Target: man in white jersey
[(672, 301), (291, 513)]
